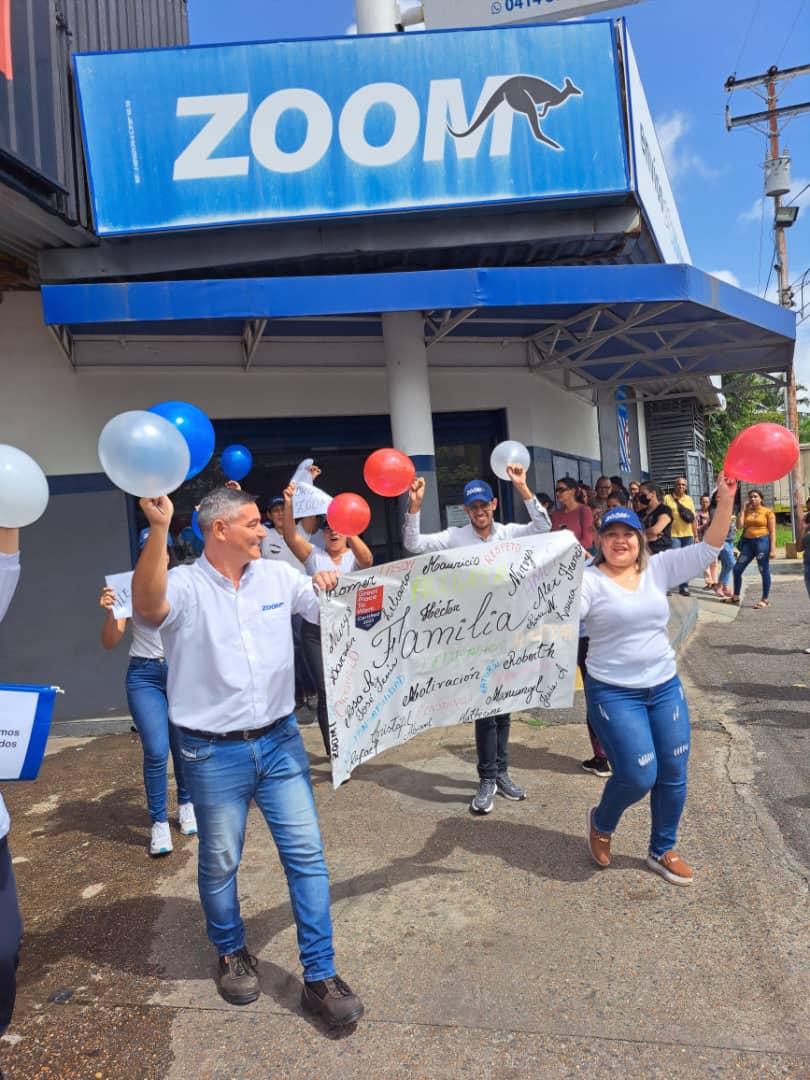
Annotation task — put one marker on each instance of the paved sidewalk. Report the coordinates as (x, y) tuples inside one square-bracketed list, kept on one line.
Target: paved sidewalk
[(481, 946)]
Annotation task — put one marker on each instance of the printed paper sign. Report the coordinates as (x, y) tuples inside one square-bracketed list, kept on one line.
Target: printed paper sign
[(309, 500), (447, 637), (121, 585)]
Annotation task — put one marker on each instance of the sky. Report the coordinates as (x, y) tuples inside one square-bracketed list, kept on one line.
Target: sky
[(685, 51)]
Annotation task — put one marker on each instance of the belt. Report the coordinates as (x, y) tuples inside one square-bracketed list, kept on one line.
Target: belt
[(244, 735)]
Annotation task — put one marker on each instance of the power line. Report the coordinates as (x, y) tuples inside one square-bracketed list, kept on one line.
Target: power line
[(790, 31), (747, 33)]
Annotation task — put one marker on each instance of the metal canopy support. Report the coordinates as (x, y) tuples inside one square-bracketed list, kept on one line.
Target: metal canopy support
[(251, 337), (64, 339), (448, 324)]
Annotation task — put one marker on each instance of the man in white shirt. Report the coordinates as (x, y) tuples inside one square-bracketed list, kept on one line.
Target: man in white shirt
[(491, 732), (225, 624), (10, 921)]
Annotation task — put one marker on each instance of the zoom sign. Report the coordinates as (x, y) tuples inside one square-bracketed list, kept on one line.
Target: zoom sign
[(187, 138)]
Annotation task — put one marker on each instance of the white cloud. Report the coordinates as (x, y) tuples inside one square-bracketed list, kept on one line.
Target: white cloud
[(801, 357), (799, 195), (728, 276), (681, 160)]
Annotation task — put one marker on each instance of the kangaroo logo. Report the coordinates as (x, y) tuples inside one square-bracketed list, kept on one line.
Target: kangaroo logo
[(528, 95)]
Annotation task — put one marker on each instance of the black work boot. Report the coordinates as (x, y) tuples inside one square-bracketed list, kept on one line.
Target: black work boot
[(332, 1000), (237, 980)]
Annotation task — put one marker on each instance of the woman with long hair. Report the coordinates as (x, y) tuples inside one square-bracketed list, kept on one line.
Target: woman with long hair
[(635, 699), (758, 523)]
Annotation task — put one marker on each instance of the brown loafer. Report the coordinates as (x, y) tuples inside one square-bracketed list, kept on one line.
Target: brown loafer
[(598, 842), (672, 867)]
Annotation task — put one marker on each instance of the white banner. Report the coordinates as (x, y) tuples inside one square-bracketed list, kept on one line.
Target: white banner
[(121, 585), (447, 637)]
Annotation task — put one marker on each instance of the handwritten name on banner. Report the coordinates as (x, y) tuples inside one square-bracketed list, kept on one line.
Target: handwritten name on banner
[(441, 639)]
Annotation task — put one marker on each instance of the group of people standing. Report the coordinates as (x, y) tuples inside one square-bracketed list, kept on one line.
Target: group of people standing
[(211, 681)]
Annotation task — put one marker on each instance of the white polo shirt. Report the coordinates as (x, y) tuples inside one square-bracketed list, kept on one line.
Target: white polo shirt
[(230, 651), (9, 576), (461, 535), (275, 548)]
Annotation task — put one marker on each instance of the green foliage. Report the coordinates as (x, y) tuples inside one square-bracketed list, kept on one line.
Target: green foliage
[(804, 427), (752, 400)]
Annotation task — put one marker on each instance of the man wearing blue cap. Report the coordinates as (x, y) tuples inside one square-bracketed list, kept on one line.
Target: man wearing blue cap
[(491, 732)]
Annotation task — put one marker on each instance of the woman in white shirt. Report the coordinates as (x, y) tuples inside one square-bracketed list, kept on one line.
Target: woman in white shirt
[(146, 696), (341, 553), (635, 699)]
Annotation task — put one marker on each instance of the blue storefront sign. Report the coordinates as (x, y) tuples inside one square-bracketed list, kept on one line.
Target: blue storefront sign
[(231, 134)]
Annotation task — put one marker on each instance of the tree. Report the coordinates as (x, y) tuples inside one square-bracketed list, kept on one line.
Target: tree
[(753, 399)]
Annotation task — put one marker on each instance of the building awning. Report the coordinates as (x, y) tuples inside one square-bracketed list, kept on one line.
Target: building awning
[(584, 326)]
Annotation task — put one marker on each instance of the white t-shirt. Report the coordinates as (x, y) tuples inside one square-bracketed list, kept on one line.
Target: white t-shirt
[(9, 576), (629, 644), (418, 542), (146, 642), (230, 651), (319, 560), (274, 546)]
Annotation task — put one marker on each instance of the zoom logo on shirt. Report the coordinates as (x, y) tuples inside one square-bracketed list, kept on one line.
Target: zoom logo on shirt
[(272, 607)]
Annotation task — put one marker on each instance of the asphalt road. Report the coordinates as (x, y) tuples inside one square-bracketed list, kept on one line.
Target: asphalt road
[(751, 675)]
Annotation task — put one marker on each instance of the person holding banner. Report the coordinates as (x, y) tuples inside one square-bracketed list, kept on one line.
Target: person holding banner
[(636, 702), (149, 706), (341, 553), (10, 921), (491, 732), (225, 624)]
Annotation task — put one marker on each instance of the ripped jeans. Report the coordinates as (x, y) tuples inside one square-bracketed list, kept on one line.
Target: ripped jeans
[(645, 734)]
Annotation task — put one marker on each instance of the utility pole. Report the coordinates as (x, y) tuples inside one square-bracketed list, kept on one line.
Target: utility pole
[(777, 184)]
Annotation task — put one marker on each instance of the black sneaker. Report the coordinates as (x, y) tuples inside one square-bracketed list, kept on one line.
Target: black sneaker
[(684, 590), (508, 788), (238, 982), (484, 798), (333, 1000), (599, 766)]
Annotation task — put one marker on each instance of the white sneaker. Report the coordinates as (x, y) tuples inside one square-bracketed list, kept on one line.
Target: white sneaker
[(188, 821), (161, 842)]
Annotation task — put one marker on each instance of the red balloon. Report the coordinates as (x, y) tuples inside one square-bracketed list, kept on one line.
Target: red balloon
[(348, 514), (389, 472), (761, 454)]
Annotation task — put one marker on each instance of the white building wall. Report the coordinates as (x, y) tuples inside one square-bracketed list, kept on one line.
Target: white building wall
[(55, 413)]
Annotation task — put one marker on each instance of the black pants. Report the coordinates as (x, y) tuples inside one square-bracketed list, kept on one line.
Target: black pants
[(10, 936), (311, 641), (492, 745)]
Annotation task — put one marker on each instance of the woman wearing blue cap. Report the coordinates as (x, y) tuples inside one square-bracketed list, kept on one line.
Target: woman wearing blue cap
[(146, 696), (636, 702)]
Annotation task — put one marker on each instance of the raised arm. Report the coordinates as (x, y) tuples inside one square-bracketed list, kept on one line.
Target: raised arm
[(113, 629), (361, 551), (150, 579), (9, 566), (300, 547), (412, 537)]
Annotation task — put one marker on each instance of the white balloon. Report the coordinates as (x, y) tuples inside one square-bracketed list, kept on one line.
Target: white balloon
[(509, 453), (23, 488), (143, 454)]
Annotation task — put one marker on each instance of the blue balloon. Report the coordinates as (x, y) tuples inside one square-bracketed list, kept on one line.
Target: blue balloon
[(237, 461), (195, 528), (194, 426)]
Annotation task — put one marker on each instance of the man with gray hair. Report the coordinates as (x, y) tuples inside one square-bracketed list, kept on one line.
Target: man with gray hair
[(225, 621)]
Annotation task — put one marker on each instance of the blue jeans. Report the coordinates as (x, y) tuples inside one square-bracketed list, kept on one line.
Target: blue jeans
[(726, 562), (645, 734), (146, 695), (759, 548), (492, 745), (223, 777), (681, 542), (807, 577)]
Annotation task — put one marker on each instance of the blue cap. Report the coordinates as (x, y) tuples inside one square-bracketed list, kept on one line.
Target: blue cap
[(621, 515), (144, 533), (477, 491), (275, 500)]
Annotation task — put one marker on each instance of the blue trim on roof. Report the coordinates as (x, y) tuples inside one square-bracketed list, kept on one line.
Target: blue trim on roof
[(531, 289)]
